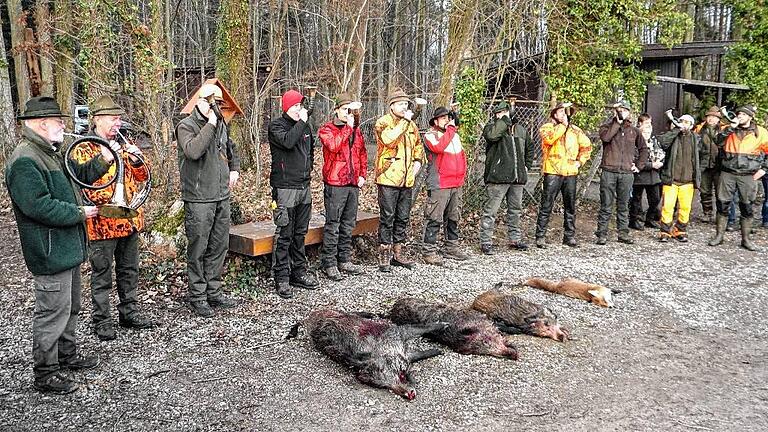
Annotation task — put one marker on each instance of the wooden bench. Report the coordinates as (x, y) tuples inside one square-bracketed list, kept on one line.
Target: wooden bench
[(256, 238)]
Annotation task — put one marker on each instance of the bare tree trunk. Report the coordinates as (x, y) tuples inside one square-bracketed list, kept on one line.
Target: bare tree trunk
[(7, 125), (460, 37), (64, 59), (19, 59), (43, 21)]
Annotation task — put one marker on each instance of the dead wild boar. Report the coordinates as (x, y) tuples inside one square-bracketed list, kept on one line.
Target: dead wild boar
[(374, 349), (513, 314), (467, 331)]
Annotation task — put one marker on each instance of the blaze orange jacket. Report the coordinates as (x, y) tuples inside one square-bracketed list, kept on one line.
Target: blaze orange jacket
[(101, 228), (745, 149), (398, 147), (562, 148)]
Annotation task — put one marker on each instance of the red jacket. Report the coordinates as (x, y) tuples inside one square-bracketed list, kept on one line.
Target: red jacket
[(343, 163), (447, 161)]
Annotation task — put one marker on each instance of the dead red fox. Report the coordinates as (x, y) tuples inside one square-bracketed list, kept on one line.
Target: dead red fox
[(575, 288)]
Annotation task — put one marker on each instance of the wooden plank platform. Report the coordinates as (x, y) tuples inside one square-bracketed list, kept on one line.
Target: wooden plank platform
[(256, 238)]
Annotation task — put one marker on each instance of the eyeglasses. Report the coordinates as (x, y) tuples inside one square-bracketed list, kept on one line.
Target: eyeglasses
[(58, 120)]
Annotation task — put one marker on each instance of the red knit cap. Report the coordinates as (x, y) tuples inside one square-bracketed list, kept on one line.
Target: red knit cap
[(291, 98)]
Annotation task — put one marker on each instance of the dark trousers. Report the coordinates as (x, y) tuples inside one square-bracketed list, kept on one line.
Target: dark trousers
[(394, 213), (340, 218), (615, 189), (653, 193), (207, 227), (443, 209), (554, 185), (741, 186), (764, 179), (124, 251), (57, 303), (294, 209), (708, 189)]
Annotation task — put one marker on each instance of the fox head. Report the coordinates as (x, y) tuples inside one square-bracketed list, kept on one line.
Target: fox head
[(601, 296)]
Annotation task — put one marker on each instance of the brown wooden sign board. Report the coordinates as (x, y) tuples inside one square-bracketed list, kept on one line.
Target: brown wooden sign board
[(229, 107), (256, 238)]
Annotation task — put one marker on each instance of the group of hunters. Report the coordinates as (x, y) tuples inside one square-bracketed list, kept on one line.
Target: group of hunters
[(59, 230)]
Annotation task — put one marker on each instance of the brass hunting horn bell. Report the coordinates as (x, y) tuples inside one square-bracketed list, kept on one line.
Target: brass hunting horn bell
[(118, 206)]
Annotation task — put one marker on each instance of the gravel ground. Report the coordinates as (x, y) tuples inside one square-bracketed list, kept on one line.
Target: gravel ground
[(684, 349)]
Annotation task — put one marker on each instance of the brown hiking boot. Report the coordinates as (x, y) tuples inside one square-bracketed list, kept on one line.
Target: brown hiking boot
[(57, 383), (79, 361), (105, 331), (284, 289), (455, 253), (333, 274), (137, 321), (398, 259), (432, 258), (353, 269), (222, 302), (201, 308), (385, 254)]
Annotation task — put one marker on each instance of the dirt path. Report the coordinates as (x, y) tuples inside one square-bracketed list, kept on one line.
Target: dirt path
[(684, 350)]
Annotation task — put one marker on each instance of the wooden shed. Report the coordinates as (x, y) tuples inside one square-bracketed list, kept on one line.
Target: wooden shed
[(670, 87)]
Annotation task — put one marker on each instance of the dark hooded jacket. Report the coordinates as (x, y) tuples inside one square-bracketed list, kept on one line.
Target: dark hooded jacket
[(292, 147)]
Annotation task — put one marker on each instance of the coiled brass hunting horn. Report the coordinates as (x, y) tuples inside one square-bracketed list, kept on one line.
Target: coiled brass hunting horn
[(728, 115), (672, 118), (309, 102), (420, 103), (118, 207)]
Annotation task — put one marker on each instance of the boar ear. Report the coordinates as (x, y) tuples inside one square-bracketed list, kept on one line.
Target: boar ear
[(498, 286), (366, 315), (360, 360), (594, 293), (539, 314), (364, 377), (508, 329)]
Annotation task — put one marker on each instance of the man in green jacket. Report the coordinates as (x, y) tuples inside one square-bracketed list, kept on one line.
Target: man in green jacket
[(508, 155), (709, 161), (50, 216), (208, 167)]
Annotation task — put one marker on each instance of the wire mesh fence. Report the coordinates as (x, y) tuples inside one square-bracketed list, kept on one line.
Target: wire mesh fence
[(530, 114)]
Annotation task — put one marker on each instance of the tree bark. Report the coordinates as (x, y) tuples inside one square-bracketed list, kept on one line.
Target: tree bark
[(7, 124), (64, 59), (15, 13), (460, 37), (43, 30)]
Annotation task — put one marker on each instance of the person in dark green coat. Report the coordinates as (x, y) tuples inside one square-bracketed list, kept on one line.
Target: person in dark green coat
[(51, 218), (508, 155)]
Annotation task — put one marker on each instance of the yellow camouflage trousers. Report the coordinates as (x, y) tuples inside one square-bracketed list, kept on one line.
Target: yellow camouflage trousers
[(676, 194)]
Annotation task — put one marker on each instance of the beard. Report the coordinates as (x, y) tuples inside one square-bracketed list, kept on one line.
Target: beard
[(57, 136)]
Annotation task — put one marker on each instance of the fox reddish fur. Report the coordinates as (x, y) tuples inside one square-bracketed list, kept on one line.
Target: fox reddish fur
[(575, 288)]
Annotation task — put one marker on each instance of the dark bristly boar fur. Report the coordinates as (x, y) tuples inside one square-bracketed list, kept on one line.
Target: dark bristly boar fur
[(374, 349), (467, 331), (513, 314)]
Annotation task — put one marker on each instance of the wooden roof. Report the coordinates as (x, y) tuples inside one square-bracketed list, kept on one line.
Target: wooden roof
[(229, 108), (685, 50)]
